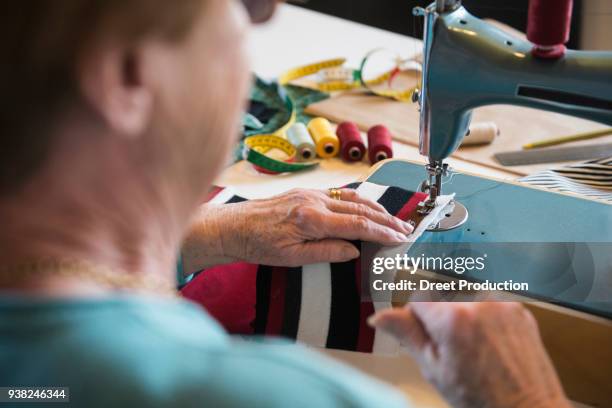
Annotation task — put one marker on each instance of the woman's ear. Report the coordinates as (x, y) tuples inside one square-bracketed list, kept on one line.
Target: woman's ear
[(112, 82)]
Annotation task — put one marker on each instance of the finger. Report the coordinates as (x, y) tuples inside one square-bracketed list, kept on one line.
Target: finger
[(386, 219), (402, 324), (426, 312), (357, 227), (353, 196), (327, 250), (441, 318)]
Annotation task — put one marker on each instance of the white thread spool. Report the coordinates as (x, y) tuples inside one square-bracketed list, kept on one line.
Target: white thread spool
[(299, 136), (480, 134)]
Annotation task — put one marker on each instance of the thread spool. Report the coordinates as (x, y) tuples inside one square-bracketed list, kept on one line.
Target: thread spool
[(379, 144), (326, 141), (352, 147), (480, 134), (299, 137), (548, 26)]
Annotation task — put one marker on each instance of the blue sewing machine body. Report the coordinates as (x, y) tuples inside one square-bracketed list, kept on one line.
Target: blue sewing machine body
[(560, 244), (473, 63), (468, 63)]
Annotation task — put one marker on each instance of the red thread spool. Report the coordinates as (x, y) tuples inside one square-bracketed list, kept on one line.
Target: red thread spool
[(352, 147), (548, 26), (379, 144)]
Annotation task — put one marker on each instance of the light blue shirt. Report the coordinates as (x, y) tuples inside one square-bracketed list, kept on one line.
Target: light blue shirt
[(145, 352)]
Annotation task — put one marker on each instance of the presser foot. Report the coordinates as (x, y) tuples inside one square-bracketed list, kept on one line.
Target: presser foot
[(455, 214)]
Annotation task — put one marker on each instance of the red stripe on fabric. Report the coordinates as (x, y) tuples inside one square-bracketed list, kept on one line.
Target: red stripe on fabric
[(228, 293), (277, 301), (365, 339), (366, 333), (213, 193), (411, 205)]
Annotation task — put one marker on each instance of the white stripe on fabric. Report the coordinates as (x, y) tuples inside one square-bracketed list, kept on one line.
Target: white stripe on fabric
[(371, 191), (315, 307)]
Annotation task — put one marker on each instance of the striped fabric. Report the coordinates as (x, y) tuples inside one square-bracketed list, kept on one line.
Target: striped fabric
[(319, 305), (591, 179)]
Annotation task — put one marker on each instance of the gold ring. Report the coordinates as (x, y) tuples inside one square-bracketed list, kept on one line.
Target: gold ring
[(335, 194)]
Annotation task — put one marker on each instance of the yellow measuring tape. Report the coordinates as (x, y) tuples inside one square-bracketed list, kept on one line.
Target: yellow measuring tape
[(356, 83), (253, 154), (270, 142), (310, 69)]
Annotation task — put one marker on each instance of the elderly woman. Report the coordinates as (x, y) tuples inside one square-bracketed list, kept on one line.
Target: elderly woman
[(116, 116)]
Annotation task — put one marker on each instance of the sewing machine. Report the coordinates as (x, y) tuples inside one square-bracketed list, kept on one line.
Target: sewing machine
[(560, 243), (469, 63)]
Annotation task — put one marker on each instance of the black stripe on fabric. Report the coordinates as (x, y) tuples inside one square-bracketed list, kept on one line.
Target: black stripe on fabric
[(293, 302), (581, 180), (582, 185), (585, 173), (262, 298), (394, 198), (235, 199), (591, 182), (594, 174), (572, 184), (606, 160), (587, 167), (353, 186), (343, 330)]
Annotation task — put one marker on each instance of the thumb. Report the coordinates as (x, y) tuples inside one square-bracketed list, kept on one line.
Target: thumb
[(402, 324), (328, 250)]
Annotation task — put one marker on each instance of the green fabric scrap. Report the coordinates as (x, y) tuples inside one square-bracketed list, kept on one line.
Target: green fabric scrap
[(281, 99), (251, 122)]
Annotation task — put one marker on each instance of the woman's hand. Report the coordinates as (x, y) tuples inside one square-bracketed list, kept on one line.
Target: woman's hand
[(296, 228), (478, 354)]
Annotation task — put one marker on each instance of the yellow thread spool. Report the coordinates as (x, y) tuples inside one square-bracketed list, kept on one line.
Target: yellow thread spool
[(325, 138)]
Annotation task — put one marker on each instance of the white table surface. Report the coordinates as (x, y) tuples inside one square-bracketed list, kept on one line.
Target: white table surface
[(296, 36)]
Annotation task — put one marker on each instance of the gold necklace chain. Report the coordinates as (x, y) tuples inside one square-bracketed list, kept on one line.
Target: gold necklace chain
[(84, 270)]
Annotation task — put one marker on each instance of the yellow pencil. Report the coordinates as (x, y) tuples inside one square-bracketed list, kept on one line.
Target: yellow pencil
[(567, 139)]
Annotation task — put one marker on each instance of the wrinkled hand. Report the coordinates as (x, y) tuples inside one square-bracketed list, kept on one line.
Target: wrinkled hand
[(296, 228), (478, 354)]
